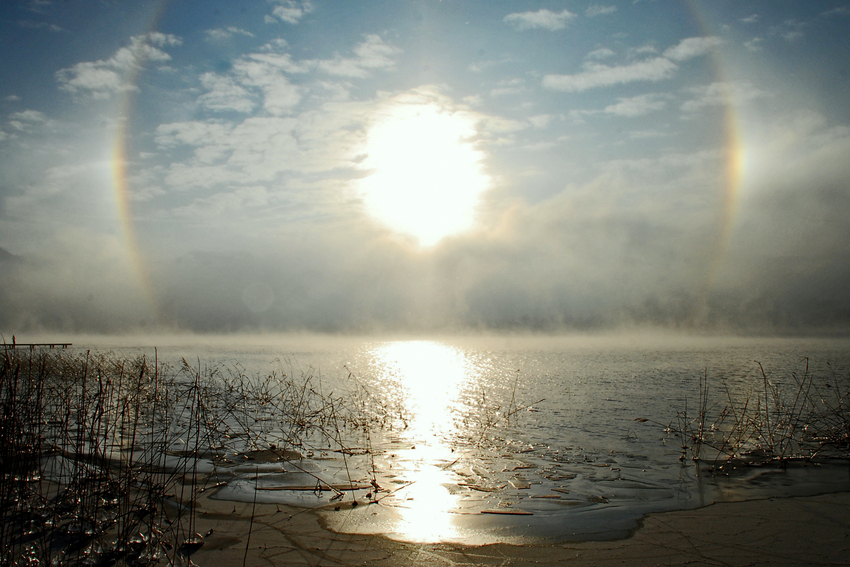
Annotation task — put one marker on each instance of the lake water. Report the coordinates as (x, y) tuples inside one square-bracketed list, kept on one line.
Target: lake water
[(565, 436)]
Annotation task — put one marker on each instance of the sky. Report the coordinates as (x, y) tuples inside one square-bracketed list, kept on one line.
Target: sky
[(425, 166)]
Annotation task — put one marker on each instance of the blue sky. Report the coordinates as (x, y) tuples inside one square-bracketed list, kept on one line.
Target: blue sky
[(424, 166)]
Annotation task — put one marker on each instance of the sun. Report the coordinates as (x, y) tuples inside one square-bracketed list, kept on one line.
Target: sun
[(426, 173)]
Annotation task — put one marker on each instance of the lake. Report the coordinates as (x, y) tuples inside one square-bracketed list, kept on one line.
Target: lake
[(514, 438)]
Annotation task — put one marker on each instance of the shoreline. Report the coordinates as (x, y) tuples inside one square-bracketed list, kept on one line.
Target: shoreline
[(808, 530)]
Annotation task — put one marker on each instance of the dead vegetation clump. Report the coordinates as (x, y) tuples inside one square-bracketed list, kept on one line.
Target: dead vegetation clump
[(102, 458), (763, 421)]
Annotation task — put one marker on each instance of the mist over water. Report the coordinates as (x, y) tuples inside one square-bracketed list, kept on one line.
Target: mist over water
[(571, 428)]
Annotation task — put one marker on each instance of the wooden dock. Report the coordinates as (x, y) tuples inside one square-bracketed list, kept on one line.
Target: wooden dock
[(16, 344), (33, 345)]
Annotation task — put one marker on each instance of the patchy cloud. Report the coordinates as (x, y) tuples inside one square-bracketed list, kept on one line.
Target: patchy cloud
[(790, 30), (224, 94), (27, 24), (254, 76), (508, 87), (541, 120), (38, 6), (597, 10), (718, 94), (597, 75), (601, 53), (103, 78), (692, 47), (372, 54), (839, 11), (637, 105), (291, 11), (643, 50), (220, 34), (279, 95), (541, 19), (25, 120)]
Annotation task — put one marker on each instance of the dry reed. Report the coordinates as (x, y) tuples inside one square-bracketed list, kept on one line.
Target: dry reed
[(102, 458), (805, 419)]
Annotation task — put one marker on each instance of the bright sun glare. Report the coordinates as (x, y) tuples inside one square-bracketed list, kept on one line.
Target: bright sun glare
[(427, 175)]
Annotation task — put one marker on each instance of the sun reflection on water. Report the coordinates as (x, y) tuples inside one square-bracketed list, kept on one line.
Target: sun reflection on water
[(430, 377)]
